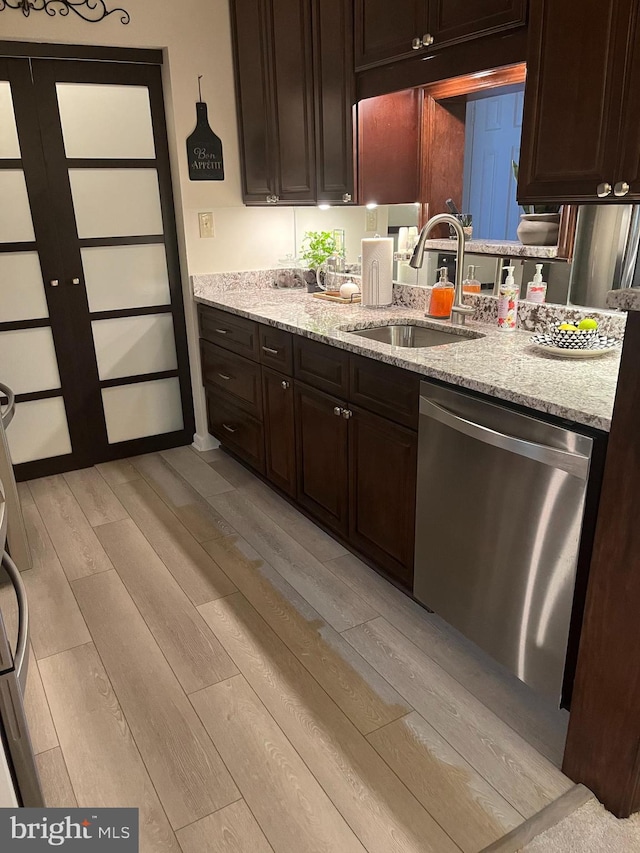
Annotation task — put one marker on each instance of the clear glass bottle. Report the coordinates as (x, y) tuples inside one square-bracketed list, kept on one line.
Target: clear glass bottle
[(471, 283)]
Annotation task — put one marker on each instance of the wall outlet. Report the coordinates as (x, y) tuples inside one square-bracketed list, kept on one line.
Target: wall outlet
[(205, 221), (372, 220)]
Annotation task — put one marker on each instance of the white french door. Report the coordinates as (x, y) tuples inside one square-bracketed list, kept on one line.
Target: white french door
[(92, 335)]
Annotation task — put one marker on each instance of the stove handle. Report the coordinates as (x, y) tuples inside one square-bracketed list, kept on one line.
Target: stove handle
[(20, 657)]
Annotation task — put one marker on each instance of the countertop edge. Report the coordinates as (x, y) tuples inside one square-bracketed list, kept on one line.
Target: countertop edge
[(627, 299)]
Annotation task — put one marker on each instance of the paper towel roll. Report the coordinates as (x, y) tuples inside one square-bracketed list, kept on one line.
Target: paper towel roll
[(377, 271)]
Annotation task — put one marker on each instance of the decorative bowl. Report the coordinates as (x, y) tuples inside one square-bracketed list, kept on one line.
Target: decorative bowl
[(579, 339)]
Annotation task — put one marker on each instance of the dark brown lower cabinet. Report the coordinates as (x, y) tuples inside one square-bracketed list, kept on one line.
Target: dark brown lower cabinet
[(236, 429), (322, 454), (279, 430), (382, 492)]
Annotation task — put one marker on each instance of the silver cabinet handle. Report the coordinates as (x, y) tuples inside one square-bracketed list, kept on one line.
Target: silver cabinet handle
[(20, 657), (270, 350), (224, 376), (75, 281), (603, 190), (416, 43), (346, 198), (575, 464), (221, 331), (621, 189), (427, 40), (228, 428), (337, 411), (273, 199), (285, 385), (347, 413), (7, 415), (54, 282)]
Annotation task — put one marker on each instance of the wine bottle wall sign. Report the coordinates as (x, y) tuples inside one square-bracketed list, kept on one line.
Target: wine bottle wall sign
[(204, 148)]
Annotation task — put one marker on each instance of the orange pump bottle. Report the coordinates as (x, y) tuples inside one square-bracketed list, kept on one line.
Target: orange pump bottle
[(441, 301)]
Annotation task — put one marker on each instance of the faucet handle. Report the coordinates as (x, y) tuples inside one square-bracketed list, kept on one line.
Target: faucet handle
[(459, 314)]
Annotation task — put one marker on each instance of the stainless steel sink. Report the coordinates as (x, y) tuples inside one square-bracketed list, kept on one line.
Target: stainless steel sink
[(405, 335)]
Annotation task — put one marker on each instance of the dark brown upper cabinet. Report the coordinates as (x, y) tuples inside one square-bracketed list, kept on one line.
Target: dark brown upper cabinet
[(581, 133), (386, 32), (294, 88)]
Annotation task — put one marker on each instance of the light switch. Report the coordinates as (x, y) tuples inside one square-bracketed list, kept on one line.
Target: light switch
[(205, 221), (372, 220)]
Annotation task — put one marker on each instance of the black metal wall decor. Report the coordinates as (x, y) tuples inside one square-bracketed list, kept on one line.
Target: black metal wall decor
[(204, 148), (89, 10)]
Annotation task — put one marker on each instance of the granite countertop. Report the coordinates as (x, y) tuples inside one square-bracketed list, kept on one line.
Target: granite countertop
[(499, 248), (628, 299), (504, 365)]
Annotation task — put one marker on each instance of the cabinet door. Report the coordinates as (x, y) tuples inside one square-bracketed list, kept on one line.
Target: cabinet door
[(572, 101), (383, 466), (629, 168), (250, 32), (322, 448), (279, 429), (291, 61), (458, 20), (334, 98), (385, 31)]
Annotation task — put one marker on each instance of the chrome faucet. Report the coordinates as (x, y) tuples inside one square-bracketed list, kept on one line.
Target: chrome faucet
[(459, 312)]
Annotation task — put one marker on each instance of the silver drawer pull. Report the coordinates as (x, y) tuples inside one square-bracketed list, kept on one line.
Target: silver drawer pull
[(285, 384), (224, 376), (270, 350), (228, 428), (221, 331), (337, 411)]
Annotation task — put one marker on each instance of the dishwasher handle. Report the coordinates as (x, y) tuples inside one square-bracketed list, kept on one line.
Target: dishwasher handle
[(576, 464)]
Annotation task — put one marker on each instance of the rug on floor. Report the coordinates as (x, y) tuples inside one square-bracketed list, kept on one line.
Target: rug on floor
[(590, 829)]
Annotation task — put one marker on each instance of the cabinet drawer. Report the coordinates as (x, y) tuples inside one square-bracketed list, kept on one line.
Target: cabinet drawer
[(321, 366), (236, 429), (234, 375), (385, 390), (233, 333), (276, 349)]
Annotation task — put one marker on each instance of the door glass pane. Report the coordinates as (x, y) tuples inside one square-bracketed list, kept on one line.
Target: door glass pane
[(39, 430), (22, 295), (105, 121), (130, 346), (28, 360), (116, 202), (141, 409), (119, 277), (15, 213), (9, 145)]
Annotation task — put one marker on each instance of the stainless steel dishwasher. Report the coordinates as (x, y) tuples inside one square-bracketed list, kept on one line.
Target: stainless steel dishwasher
[(499, 514)]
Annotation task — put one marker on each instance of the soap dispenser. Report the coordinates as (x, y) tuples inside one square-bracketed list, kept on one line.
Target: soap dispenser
[(442, 294), (471, 283), (537, 289), (508, 302)]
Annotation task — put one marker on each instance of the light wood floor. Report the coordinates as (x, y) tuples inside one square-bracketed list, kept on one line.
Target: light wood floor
[(202, 651)]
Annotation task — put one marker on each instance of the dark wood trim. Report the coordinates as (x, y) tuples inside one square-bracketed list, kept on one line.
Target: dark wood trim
[(477, 55), (140, 377), (602, 750), (39, 395), (467, 84), (11, 163), (132, 312), (14, 325), (18, 247), (567, 234), (105, 163), (44, 50), (144, 239)]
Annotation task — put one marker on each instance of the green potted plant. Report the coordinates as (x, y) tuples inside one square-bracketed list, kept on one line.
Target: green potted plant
[(316, 247), (540, 223)]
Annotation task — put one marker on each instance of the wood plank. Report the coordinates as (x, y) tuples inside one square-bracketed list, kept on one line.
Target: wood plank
[(201, 476), (333, 599), (56, 623), (24, 493), (535, 718), (186, 770), (118, 471), (188, 562), (198, 516), (384, 815), (463, 803), (527, 780), (207, 455), (233, 829), (309, 535), (41, 727), (195, 655), (54, 779), (73, 538), (95, 497), (233, 471), (367, 699), (248, 737), (103, 762)]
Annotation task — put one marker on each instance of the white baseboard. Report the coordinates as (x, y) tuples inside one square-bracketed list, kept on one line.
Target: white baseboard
[(205, 442)]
